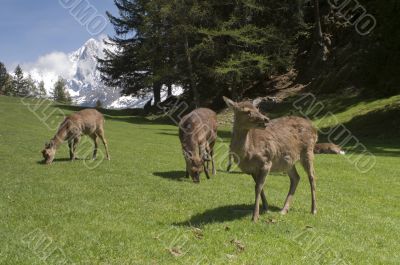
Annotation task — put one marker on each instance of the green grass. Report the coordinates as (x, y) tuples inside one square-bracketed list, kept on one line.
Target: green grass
[(138, 207)]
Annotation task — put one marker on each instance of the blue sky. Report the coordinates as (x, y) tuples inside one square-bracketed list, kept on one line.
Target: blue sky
[(32, 28)]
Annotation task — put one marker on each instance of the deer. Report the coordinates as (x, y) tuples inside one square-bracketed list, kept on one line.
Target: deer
[(262, 145), (328, 148), (85, 122), (197, 134)]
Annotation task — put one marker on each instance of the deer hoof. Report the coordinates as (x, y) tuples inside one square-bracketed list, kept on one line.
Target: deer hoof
[(314, 212), (284, 211)]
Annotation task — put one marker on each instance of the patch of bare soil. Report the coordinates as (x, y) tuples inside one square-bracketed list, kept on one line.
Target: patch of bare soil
[(284, 86)]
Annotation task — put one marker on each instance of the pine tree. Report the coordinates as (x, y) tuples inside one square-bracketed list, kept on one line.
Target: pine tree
[(8, 86), (208, 47), (60, 94), (99, 104), (30, 88), (4, 77), (19, 87), (42, 90)]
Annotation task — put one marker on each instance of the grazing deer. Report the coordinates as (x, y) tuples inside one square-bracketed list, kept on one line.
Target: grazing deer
[(328, 148), (263, 146), (197, 133), (85, 122)]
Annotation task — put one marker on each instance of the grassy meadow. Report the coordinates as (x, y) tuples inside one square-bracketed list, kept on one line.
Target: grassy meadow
[(139, 208)]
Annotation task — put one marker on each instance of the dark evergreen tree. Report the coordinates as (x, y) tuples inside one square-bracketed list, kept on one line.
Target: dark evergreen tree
[(4, 77), (19, 86), (208, 47), (99, 104), (60, 94)]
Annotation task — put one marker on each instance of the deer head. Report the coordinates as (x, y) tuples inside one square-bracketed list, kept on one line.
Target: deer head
[(196, 164), (49, 152), (247, 116)]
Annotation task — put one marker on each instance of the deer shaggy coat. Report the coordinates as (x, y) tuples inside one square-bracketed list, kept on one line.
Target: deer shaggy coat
[(197, 133), (85, 122), (261, 146)]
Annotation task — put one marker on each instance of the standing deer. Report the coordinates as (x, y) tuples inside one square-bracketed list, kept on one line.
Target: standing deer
[(263, 146), (197, 133), (85, 122)]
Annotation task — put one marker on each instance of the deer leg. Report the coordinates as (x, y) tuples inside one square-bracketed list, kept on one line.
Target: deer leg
[(187, 170), (229, 163), (206, 167), (214, 171), (263, 197), (96, 145), (74, 146), (294, 180), (211, 147), (264, 201), (206, 171), (308, 165), (260, 181), (103, 139), (71, 154)]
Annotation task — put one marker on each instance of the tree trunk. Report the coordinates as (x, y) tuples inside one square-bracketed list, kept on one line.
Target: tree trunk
[(193, 87), (318, 27), (169, 86), (157, 92), (319, 37)]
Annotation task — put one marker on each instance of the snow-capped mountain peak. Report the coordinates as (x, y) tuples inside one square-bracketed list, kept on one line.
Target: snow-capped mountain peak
[(79, 69)]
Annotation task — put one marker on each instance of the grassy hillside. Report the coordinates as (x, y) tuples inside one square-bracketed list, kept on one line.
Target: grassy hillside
[(139, 208)]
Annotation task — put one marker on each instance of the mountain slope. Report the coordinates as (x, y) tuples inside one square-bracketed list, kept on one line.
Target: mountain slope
[(84, 81)]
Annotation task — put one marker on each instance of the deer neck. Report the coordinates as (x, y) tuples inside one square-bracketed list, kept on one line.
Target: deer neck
[(60, 137), (240, 140)]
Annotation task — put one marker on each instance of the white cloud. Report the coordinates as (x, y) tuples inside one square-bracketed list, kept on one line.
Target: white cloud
[(56, 63)]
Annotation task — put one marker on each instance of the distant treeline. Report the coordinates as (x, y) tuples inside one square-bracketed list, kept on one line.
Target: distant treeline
[(17, 85)]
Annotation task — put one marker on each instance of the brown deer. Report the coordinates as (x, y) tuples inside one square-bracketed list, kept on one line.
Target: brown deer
[(328, 148), (262, 146), (85, 122), (197, 133)]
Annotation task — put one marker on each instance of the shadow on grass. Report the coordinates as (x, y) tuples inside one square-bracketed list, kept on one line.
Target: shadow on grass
[(223, 214), (169, 134), (173, 175), (110, 112), (377, 130), (62, 160), (135, 116), (230, 172)]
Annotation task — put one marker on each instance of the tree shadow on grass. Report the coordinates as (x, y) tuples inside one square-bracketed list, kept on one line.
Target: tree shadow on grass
[(172, 175), (224, 214), (134, 116), (377, 130)]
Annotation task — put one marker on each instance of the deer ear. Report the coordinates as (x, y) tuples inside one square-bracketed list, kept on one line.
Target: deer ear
[(256, 102), (231, 104)]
